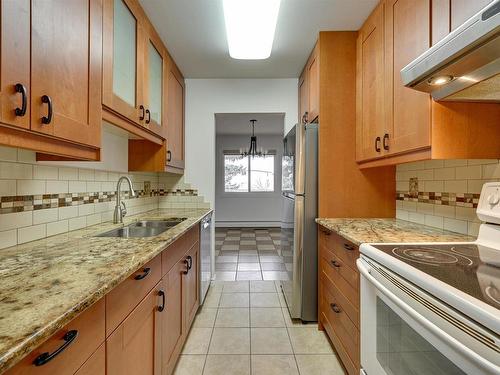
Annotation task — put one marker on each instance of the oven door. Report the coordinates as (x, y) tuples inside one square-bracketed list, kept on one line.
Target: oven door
[(399, 337)]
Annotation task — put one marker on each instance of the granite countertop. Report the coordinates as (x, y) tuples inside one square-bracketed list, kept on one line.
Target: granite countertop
[(361, 231), (45, 284)]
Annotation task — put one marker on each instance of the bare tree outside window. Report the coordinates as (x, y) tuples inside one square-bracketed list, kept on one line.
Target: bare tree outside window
[(235, 173), (243, 174)]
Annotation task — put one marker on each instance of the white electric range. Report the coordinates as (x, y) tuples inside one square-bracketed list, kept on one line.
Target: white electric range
[(434, 308)]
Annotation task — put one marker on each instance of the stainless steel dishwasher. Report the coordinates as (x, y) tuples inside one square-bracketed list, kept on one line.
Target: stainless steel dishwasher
[(205, 256)]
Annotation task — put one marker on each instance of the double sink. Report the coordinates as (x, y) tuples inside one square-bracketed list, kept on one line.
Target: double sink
[(143, 228)]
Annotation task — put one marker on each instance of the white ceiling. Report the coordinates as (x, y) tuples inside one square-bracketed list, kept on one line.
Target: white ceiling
[(194, 33), (239, 123)]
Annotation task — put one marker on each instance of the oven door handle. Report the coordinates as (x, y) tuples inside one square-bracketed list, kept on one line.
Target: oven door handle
[(436, 331)]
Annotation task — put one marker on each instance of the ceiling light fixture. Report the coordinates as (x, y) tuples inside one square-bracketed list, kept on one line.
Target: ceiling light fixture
[(252, 151), (250, 27)]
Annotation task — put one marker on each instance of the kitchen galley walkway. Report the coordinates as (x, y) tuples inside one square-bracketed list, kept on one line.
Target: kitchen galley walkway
[(244, 328)]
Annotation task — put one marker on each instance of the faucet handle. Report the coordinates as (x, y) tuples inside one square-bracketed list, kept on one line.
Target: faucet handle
[(124, 209)]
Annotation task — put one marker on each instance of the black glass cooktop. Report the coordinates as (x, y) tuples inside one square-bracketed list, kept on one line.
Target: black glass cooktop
[(473, 269)]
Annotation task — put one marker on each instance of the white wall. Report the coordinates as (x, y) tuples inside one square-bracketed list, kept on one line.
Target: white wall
[(205, 97), (247, 209), (114, 152)]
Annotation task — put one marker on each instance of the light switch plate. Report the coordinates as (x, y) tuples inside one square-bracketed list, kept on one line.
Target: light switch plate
[(147, 187)]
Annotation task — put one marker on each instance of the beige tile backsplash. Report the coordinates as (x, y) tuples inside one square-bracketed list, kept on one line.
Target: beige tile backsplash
[(21, 175), (457, 180)]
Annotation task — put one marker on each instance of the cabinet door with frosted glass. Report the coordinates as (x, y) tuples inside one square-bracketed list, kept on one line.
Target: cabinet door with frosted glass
[(154, 86), (123, 60)]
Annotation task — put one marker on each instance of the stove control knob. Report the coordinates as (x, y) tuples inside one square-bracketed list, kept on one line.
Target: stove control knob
[(493, 199)]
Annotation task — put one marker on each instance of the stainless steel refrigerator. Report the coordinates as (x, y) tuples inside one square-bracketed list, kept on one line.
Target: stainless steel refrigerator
[(298, 227)]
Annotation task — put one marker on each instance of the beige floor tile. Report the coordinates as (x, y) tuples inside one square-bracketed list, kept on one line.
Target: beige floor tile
[(248, 267), (308, 340), (190, 365), (212, 299), (266, 317), (234, 300), (205, 318), (248, 275), (295, 322), (262, 287), (270, 341), (227, 364), (233, 318), (236, 287), (264, 300), (274, 365), (217, 286), (197, 341), (225, 275), (230, 341), (319, 364)]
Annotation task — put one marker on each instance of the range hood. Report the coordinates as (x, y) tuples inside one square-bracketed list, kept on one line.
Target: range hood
[(463, 66)]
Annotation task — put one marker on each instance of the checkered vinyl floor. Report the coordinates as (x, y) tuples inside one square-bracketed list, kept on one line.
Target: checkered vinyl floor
[(250, 254)]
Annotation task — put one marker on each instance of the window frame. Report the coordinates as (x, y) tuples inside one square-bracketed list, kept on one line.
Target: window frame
[(249, 191)]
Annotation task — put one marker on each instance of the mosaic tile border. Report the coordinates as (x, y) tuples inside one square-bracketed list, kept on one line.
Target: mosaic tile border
[(21, 203), (440, 198)]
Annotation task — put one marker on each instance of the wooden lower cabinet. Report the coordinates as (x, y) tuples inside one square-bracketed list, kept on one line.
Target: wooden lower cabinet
[(192, 282), (96, 364), (135, 346), (338, 288), (139, 327), (126, 296), (89, 330), (172, 321)]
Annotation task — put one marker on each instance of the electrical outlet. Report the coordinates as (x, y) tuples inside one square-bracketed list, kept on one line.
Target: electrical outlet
[(147, 187), (413, 187)]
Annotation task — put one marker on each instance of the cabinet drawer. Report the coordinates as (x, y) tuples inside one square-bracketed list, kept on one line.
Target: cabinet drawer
[(350, 366), (90, 334), (344, 249), (122, 299), (345, 279), (95, 365), (333, 291), (177, 249), (336, 311)]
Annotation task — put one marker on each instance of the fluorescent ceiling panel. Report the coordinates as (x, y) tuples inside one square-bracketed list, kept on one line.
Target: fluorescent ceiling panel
[(250, 27)]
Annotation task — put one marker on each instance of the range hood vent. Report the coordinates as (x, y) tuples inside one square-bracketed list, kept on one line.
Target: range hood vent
[(463, 66)]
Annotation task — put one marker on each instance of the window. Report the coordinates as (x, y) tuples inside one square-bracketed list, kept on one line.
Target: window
[(235, 173), (243, 174)]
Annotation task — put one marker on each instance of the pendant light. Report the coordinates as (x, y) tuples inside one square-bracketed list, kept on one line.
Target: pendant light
[(252, 151)]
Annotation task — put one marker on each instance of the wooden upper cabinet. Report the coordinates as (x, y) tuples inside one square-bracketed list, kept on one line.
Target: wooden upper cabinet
[(462, 10), (15, 63), (135, 346), (66, 82), (313, 85), (123, 61), (175, 118), (303, 97), (154, 73), (407, 35), (370, 115), (447, 15)]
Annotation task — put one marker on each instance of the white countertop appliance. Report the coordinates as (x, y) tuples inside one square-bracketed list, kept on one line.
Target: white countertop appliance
[(434, 308)]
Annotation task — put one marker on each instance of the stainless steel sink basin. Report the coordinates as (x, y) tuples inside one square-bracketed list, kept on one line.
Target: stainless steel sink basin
[(143, 228)]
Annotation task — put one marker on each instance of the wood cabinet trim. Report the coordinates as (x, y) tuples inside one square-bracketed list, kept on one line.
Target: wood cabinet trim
[(18, 137), (115, 118)]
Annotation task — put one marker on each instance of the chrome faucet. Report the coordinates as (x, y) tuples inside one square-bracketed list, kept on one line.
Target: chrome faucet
[(120, 209)]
